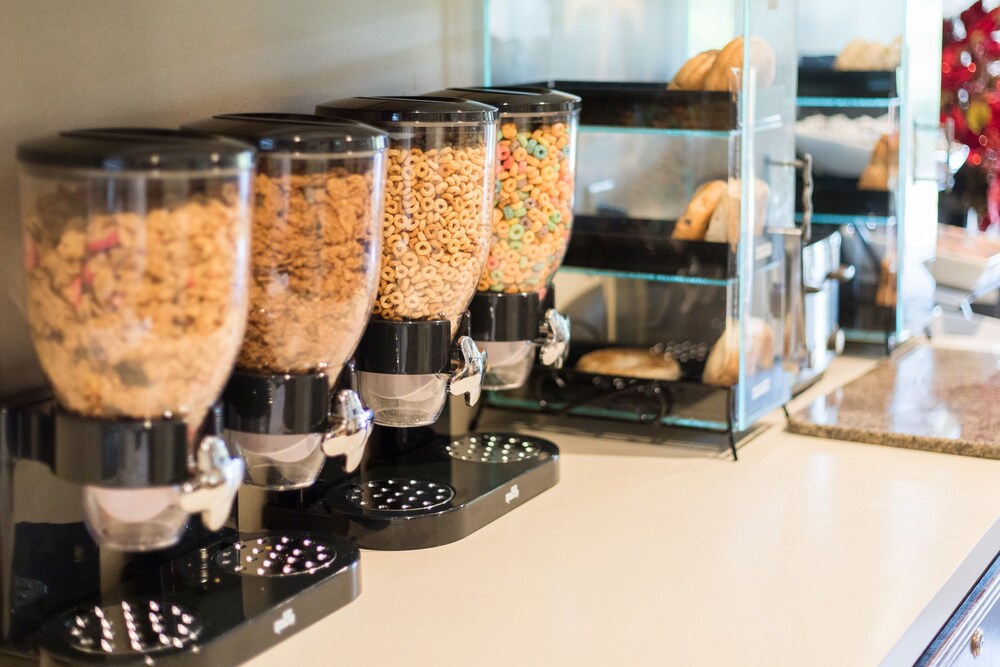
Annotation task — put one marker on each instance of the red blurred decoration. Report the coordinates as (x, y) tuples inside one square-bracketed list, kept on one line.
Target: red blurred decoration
[(970, 95)]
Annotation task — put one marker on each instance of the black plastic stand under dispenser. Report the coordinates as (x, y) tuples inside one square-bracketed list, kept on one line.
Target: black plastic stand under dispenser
[(213, 598), (421, 486)]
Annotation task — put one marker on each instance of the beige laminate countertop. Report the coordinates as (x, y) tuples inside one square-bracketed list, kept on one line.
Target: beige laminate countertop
[(805, 552)]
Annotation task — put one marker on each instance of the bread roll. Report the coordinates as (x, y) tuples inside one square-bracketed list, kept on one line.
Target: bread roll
[(630, 362), (731, 57), (691, 75), (880, 173), (852, 55), (723, 365), (724, 225), (860, 55), (892, 55), (885, 295), (693, 224)]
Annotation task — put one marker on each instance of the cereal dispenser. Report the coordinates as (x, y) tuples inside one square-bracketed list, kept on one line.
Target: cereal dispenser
[(314, 268), (417, 486), (436, 235), (532, 219), (136, 259)]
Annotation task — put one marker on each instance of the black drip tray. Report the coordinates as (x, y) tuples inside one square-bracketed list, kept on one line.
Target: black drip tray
[(433, 495), (201, 608)]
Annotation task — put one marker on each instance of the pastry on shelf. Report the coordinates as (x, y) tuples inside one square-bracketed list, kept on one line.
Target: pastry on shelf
[(691, 75), (630, 362), (724, 226), (885, 295), (713, 214), (862, 55), (880, 174), (710, 70), (731, 57), (723, 365), (693, 223)]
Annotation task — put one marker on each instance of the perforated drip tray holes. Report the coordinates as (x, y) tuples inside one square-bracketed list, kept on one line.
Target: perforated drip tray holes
[(132, 627), (399, 495), (493, 448), (276, 556)]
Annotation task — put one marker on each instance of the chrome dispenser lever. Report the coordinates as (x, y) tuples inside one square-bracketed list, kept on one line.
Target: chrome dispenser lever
[(554, 340), (350, 427), (216, 477), (467, 377)]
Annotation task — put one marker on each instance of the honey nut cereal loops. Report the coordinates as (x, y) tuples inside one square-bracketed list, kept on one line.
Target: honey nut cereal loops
[(314, 268), (133, 315), (435, 233)]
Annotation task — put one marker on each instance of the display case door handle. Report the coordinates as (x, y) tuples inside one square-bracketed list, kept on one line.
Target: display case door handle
[(805, 164)]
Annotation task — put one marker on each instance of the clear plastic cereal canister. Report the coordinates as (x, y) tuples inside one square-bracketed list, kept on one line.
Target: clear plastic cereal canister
[(436, 238), (314, 258), (532, 220), (136, 257)]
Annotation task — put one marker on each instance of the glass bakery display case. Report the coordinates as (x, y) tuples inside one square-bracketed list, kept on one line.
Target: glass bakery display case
[(675, 275), (868, 106)]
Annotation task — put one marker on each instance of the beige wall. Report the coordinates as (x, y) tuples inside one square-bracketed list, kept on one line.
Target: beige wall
[(77, 63)]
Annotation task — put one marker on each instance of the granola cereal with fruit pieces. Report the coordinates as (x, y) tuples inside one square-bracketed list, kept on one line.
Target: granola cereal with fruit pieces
[(136, 316)]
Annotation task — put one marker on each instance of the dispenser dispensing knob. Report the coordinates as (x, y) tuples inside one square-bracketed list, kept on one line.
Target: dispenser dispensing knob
[(835, 343), (216, 477), (554, 343), (467, 377), (844, 273), (350, 426)]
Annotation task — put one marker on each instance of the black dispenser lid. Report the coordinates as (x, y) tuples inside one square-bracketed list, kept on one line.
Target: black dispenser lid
[(405, 348), (136, 149), (495, 316), (294, 133), (517, 99), (408, 109), (276, 404)]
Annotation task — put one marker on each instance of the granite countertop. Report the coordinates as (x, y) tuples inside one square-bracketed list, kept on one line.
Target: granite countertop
[(924, 397)]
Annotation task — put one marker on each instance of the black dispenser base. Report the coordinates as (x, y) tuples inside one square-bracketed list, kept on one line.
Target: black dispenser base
[(439, 492), (66, 600), (209, 606)]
